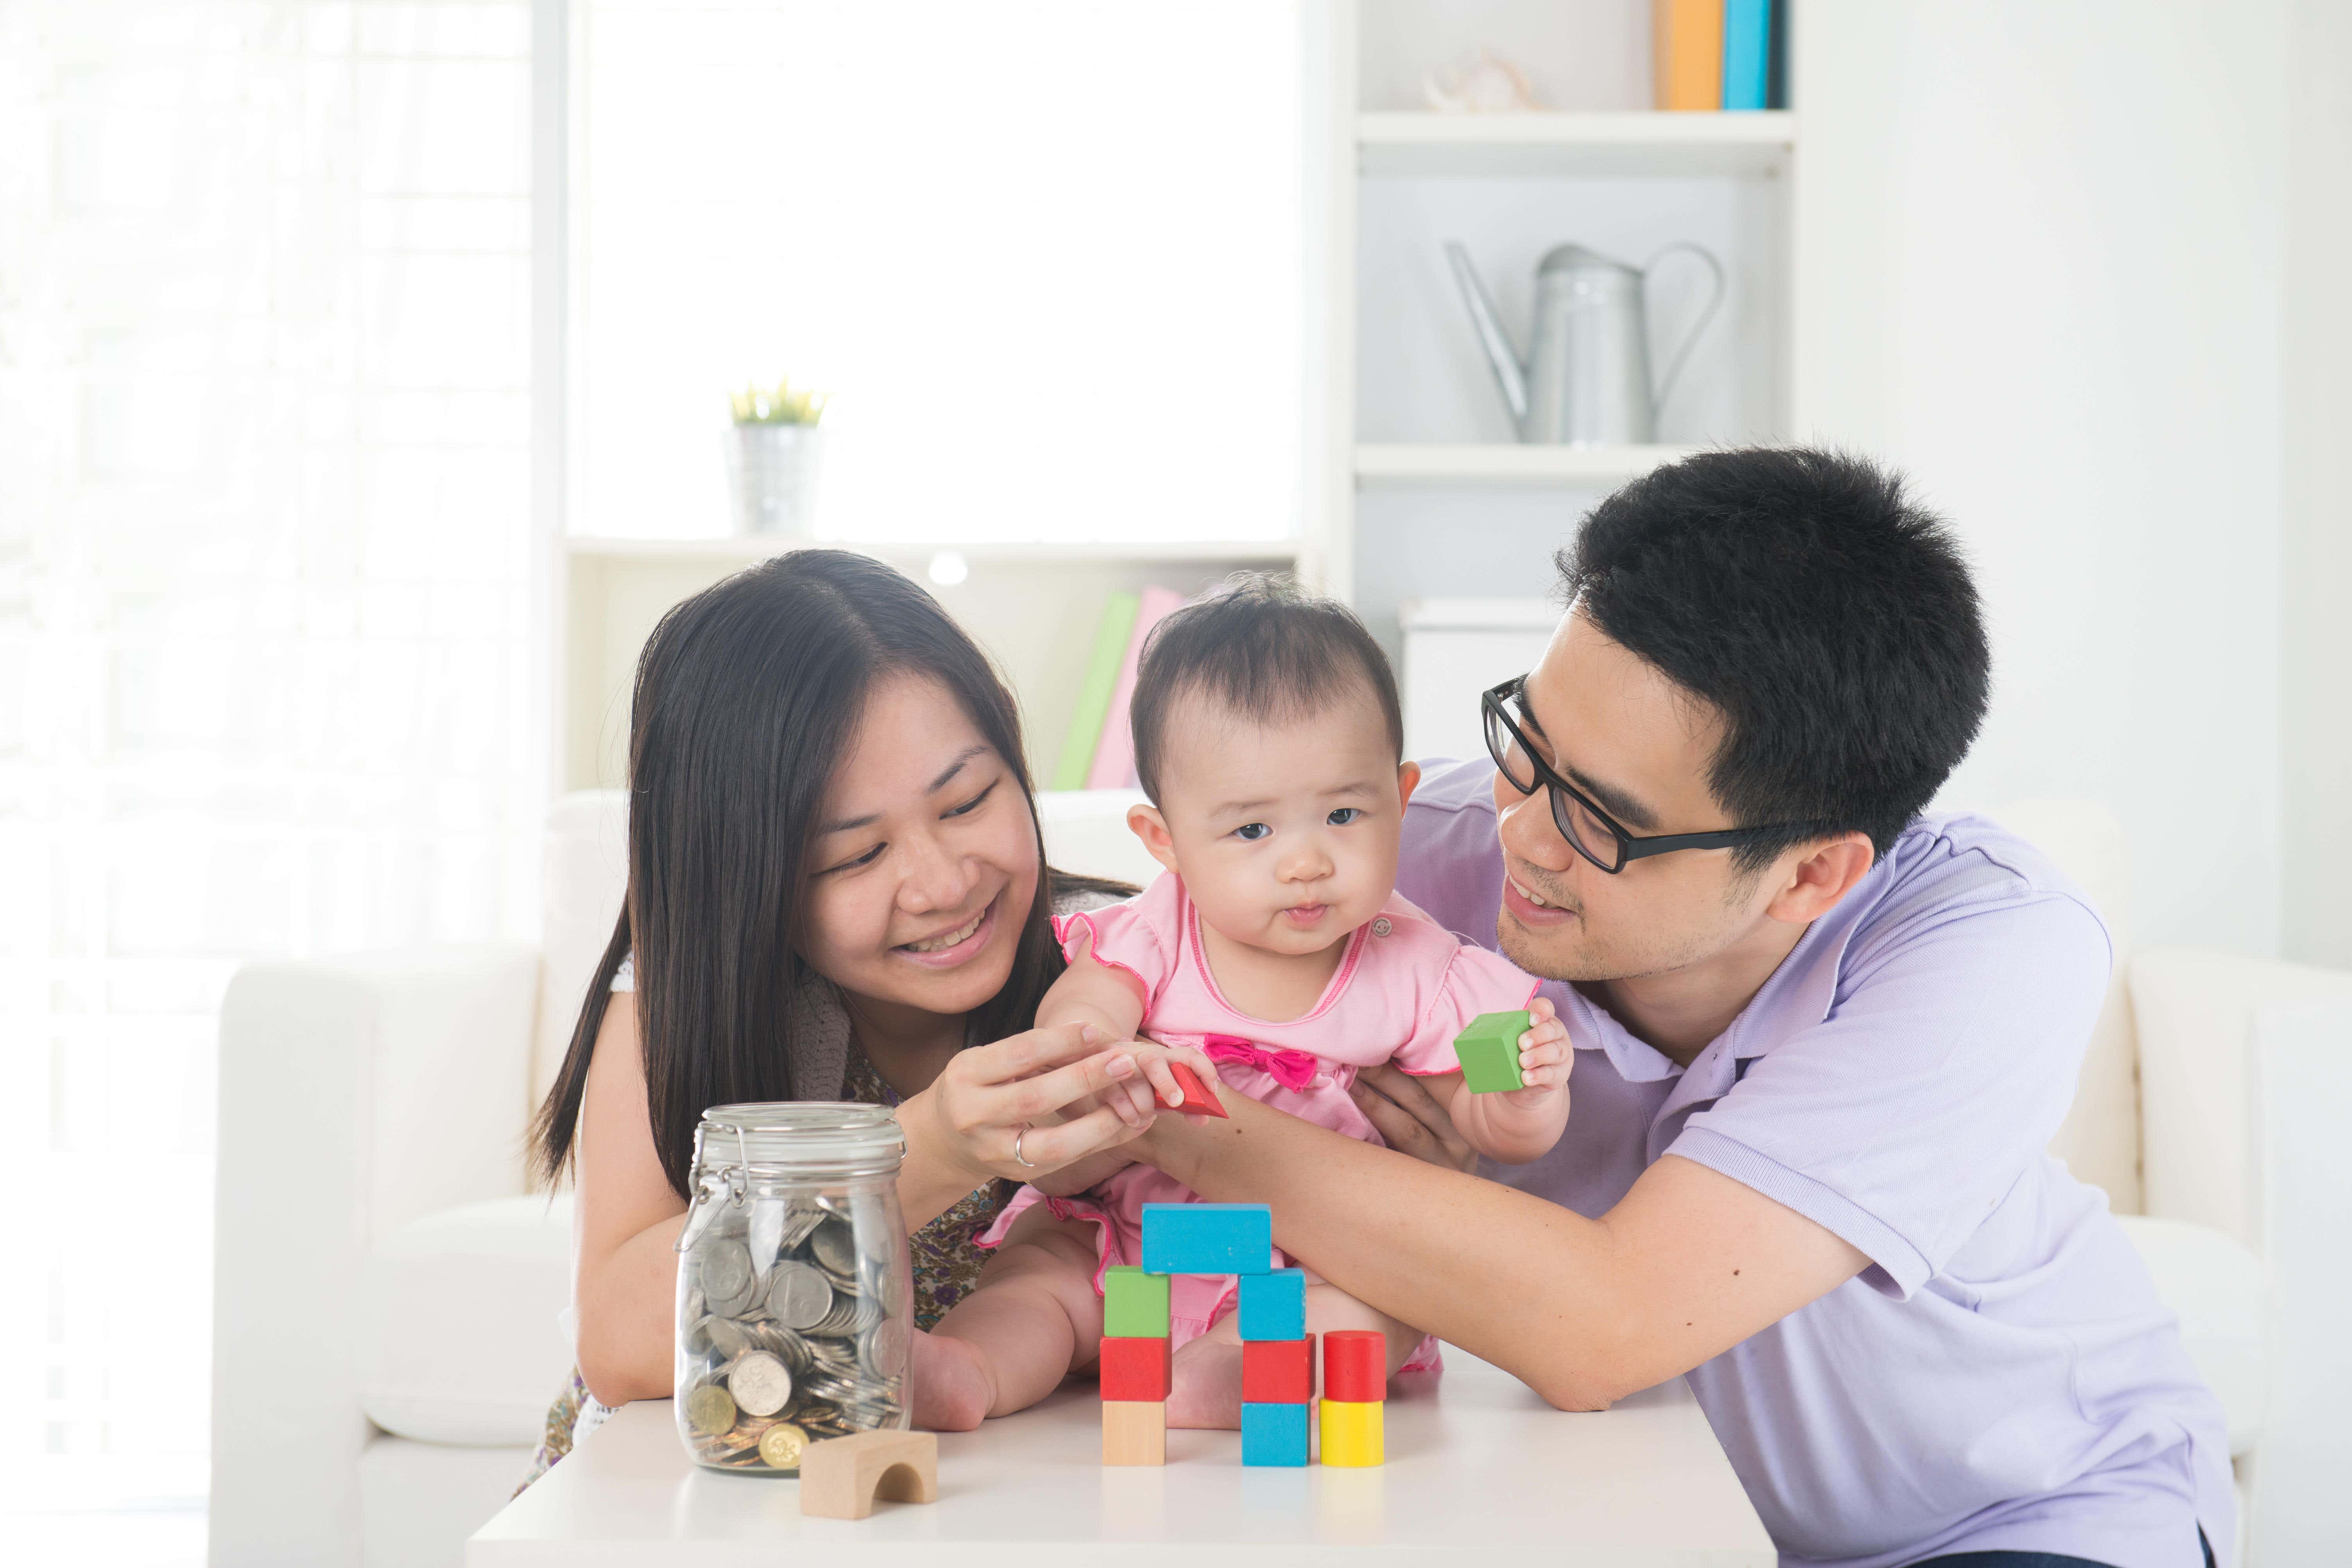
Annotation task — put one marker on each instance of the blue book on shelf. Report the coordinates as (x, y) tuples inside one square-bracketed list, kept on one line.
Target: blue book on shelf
[(1747, 51)]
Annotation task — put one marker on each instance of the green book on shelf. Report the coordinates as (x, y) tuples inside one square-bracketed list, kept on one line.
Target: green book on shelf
[(1095, 692)]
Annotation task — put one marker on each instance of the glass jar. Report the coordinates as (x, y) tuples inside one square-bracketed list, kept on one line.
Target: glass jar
[(795, 1298)]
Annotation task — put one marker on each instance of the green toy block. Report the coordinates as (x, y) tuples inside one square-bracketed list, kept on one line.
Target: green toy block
[(1135, 1304), (1489, 1051)]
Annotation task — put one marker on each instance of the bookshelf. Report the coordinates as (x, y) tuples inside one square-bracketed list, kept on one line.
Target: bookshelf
[(1423, 490)]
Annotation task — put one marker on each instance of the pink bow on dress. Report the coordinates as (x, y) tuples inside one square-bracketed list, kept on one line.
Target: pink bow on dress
[(1295, 1070)]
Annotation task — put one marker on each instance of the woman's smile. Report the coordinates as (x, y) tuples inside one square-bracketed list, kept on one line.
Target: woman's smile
[(952, 947)]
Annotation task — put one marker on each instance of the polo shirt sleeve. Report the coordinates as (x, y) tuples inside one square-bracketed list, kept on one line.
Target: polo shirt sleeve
[(1937, 1079)]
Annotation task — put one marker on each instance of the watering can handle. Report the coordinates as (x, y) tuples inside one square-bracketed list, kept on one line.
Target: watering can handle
[(1690, 341)]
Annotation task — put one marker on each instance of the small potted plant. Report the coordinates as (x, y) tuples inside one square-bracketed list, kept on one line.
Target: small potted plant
[(772, 458)]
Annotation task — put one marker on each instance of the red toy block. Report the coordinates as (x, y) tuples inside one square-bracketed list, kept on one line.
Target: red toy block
[(1135, 1372), (1196, 1099), (1278, 1372), (1356, 1365)]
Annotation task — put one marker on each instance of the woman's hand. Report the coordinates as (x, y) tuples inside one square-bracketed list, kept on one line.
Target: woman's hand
[(1411, 1122), (990, 1100)]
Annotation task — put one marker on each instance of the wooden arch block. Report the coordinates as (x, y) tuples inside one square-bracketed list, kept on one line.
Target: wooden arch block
[(841, 1477)]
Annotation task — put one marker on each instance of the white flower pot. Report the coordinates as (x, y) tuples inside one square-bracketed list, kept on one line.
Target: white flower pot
[(772, 471)]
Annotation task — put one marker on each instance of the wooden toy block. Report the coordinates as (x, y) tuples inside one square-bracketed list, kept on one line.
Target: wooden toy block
[(1135, 1304), (1135, 1372), (1207, 1239), (1351, 1432), (1278, 1372), (1355, 1365), (1489, 1051), (1135, 1432), (1196, 1099), (841, 1477), (1274, 1434), (1274, 1306)]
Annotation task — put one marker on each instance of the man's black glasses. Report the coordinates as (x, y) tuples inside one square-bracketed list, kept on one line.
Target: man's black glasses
[(1589, 830)]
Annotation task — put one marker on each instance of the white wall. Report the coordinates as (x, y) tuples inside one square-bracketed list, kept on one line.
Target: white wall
[(2040, 271), (2315, 714)]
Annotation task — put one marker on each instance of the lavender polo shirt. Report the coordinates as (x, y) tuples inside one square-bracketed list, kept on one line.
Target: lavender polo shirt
[(2002, 1375)]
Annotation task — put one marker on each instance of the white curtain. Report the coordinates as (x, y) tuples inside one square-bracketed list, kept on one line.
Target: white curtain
[(267, 657)]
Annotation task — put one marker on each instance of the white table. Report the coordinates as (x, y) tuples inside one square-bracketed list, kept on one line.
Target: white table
[(1477, 1467)]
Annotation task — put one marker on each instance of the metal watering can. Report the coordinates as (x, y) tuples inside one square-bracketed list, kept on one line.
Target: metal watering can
[(1586, 378)]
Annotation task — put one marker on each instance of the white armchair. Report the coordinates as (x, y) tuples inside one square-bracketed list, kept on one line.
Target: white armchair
[(387, 1285)]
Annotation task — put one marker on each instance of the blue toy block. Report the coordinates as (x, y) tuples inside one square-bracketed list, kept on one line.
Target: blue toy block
[(1274, 1434), (1274, 1306), (1208, 1238)]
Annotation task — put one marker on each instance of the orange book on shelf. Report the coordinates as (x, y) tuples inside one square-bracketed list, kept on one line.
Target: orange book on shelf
[(1686, 53)]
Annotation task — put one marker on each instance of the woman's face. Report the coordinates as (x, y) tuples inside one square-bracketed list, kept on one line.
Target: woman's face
[(924, 862)]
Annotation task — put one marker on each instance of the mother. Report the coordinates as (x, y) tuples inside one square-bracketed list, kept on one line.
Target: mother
[(835, 869)]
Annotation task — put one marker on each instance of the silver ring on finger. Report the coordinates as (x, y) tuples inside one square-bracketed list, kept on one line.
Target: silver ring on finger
[(1018, 1157)]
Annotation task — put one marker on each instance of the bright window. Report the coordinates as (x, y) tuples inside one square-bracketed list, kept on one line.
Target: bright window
[(1046, 256)]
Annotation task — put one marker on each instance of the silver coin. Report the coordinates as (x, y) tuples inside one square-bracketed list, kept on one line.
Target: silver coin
[(724, 1271), (798, 1224), (729, 1338), (798, 1295), (834, 1245), (760, 1382), (884, 1348)]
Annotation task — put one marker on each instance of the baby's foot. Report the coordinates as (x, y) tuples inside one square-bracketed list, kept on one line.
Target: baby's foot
[(1205, 1385), (951, 1382)]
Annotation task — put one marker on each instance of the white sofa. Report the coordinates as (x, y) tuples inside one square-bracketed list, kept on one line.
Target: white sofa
[(388, 1286)]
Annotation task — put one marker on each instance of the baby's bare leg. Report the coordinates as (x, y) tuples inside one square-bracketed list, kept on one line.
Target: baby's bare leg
[(1207, 1387), (1034, 1319)]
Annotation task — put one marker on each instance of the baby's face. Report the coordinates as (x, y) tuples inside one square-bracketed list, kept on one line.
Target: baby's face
[(1286, 834)]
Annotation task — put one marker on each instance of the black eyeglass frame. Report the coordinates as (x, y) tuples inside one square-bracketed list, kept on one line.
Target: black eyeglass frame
[(1630, 847)]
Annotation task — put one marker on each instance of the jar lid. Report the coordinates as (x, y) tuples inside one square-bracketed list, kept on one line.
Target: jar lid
[(810, 1137)]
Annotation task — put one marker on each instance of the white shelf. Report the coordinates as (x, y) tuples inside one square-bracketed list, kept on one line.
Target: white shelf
[(1498, 465), (1491, 146), (748, 548)]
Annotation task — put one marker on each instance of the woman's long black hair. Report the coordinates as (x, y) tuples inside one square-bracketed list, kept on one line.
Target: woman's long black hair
[(747, 695)]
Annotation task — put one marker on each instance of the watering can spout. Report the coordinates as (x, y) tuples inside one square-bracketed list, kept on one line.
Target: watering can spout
[(1510, 371)]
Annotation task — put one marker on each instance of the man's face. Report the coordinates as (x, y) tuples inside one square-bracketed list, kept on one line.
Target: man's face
[(1639, 745)]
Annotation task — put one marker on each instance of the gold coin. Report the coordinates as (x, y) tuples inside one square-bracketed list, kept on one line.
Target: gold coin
[(711, 1410), (781, 1446)]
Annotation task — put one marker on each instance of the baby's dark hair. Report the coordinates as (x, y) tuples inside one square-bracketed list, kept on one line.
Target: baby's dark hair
[(1261, 649)]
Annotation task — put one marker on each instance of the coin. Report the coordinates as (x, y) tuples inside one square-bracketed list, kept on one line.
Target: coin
[(798, 1296), (724, 1271), (781, 1446), (835, 1247), (727, 1337), (760, 1382), (709, 1410), (885, 1346)]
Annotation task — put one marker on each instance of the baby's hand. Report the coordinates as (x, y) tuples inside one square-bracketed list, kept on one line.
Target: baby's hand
[(1545, 1056), (1154, 1058)]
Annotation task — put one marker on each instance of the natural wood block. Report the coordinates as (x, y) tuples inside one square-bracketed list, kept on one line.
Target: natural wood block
[(1135, 1432), (841, 1477), (1134, 1372), (1352, 1434)]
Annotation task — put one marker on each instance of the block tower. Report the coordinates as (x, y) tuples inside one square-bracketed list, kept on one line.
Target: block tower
[(1277, 1353), (1355, 1395)]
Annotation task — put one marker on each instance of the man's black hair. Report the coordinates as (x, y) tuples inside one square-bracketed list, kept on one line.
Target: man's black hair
[(1261, 649), (1827, 618)]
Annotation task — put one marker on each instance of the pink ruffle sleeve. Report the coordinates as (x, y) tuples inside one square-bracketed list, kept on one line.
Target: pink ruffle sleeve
[(1138, 935), (1475, 982)]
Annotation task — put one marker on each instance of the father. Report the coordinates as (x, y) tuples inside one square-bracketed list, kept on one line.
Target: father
[(1823, 1040)]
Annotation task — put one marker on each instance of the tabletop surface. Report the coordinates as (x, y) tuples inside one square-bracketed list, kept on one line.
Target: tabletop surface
[(1476, 1466)]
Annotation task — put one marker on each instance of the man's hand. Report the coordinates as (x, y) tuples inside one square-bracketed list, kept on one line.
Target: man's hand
[(1411, 1122)]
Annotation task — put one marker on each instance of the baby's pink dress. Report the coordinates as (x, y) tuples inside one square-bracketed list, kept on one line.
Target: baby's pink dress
[(1403, 990)]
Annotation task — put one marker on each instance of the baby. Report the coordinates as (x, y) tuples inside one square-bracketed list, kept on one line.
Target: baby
[(1276, 947)]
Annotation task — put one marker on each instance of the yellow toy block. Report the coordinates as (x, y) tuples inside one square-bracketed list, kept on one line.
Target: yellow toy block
[(1351, 1434)]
